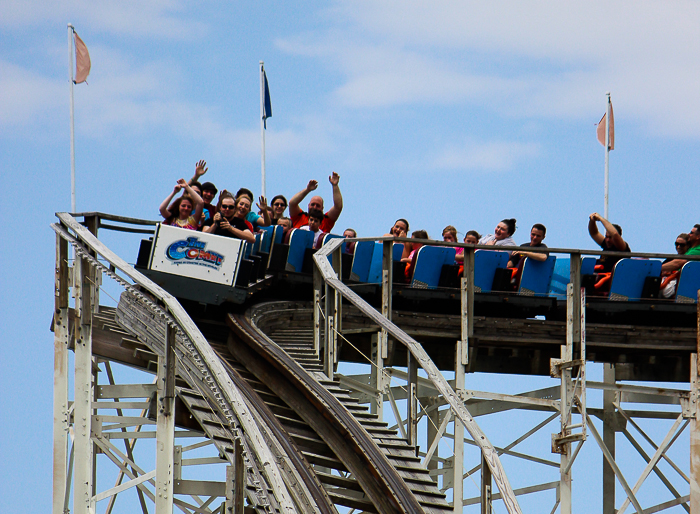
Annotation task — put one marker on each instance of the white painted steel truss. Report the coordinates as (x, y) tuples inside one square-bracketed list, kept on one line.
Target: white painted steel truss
[(133, 450), (403, 397), (98, 430)]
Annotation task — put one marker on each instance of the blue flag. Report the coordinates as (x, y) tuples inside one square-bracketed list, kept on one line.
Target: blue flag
[(267, 106)]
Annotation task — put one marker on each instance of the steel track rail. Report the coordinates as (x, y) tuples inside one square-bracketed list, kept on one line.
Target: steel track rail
[(330, 419), (219, 386), (433, 373)]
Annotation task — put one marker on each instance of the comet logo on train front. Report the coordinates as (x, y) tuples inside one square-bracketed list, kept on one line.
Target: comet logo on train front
[(193, 251)]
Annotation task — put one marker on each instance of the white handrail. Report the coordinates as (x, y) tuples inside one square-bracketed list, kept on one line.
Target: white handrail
[(230, 395), (434, 375)]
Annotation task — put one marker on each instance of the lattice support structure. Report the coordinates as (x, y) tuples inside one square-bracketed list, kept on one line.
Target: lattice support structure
[(86, 436), (447, 453)]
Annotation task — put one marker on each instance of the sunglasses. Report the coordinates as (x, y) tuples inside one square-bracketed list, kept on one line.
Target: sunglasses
[(681, 244), (278, 204), (227, 207)]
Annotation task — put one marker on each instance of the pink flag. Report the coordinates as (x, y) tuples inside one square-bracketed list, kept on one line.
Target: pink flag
[(601, 129), (82, 60)]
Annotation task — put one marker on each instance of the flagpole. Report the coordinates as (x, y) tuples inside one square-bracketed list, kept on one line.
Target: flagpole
[(607, 155), (71, 30), (262, 123)]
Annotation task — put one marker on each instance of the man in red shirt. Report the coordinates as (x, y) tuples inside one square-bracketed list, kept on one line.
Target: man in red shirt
[(301, 218)]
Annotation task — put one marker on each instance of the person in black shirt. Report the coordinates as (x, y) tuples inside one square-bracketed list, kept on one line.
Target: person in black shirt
[(537, 235), (230, 221), (611, 242)]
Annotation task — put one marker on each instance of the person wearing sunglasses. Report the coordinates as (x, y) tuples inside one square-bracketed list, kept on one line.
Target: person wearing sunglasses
[(682, 243), (229, 221), (277, 207), (692, 248)]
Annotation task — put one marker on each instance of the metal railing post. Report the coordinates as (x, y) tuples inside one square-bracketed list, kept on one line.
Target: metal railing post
[(330, 334), (458, 468), (318, 291), (377, 378), (387, 293), (412, 411), (467, 299)]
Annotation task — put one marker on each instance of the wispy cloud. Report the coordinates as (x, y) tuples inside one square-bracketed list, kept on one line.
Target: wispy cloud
[(484, 156), (130, 97), (155, 18), (533, 59), (26, 97)]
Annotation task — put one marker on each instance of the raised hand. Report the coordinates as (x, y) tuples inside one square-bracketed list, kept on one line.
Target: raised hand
[(200, 168), (334, 179), (262, 204), (180, 184), (313, 184)]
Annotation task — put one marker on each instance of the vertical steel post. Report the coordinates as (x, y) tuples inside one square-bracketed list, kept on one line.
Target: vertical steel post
[(330, 335), (83, 395), (318, 290), (433, 424), (412, 414), (458, 480), (60, 377), (467, 298), (376, 403), (380, 341), (694, 423), (567, 397), (387, 285), (486, 484), (92, 223), (609, 427), (165, 426), (336, 259)]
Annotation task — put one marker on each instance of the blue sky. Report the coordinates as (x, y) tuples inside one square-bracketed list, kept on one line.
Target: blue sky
[(460, 113)]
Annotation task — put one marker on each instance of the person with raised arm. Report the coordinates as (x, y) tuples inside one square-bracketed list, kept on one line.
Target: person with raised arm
[(610, 242), (186, 211), (301, 218)]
